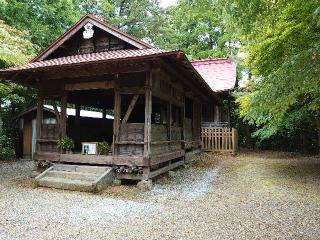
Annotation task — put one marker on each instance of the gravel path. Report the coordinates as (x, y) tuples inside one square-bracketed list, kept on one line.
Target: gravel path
[(251, 196)]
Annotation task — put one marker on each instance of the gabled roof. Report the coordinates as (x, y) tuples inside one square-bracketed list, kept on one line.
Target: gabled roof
[(220, 74), (28, 74), (98, 23)]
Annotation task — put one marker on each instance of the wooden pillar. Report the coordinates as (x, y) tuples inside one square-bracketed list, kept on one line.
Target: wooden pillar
[(77, 125), (78, 109), (201, 117), (116, 120), (169, 119), (234, 140), (211, 113), (63, 125), (147, 112), (39, 118), (183, 116), (193, 119), (229, 111)]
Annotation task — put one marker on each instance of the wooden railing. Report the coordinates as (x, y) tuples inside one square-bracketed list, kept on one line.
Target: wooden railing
[(219, 139)]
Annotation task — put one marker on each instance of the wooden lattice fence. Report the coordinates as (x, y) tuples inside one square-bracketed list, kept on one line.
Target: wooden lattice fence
[(219, 139)]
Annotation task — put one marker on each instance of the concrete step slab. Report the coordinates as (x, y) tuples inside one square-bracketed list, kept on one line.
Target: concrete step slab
[(67, 184), (77, 178), (74, 175)]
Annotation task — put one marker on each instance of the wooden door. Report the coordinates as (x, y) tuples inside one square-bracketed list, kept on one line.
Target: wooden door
[(27, 138)]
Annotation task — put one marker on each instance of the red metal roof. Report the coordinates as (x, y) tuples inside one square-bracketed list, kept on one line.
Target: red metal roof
[(220, 74), (91, 57)]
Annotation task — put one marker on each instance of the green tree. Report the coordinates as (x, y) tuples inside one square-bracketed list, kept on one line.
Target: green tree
[(141, 18), (198, 29), (44, 20), (14, 49), (281, 39)]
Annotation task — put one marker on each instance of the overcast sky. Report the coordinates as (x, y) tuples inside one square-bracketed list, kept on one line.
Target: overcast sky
[(167, 3)]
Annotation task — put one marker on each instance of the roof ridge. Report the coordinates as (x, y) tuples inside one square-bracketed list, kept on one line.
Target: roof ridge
[(104, 52), (211, 59), (92, 57)]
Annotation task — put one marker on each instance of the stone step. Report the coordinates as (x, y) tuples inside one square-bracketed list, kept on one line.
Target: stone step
[(77, 168), (74, 175), (67, 184), (77, 178)]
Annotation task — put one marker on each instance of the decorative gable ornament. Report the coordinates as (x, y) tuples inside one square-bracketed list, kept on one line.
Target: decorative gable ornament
[(88, 32)]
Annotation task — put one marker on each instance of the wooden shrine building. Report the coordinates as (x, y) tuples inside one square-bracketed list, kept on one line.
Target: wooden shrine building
[(157, 99)]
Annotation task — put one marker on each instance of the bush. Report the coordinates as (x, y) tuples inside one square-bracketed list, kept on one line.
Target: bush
[(103, 148), (65, 144), (7, 151)]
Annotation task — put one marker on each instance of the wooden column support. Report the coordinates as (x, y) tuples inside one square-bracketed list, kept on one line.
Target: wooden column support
[(169, 116), (183, 117), (147, 120), (116, 121), (77, 126), (63, 122), (39, 118)]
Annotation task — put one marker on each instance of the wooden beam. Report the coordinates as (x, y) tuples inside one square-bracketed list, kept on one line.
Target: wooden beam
[(132, 90), (89, 70), (130, 108), (89, 85), (116, 121), (77, 126), (39, 117), (183, 116), (165, 169), (169, 122), (164, 157), (167, 67), (63, 124), (147, 119), (166, 97)]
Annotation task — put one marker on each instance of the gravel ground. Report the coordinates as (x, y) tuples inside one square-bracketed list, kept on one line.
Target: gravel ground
[(252, 196)]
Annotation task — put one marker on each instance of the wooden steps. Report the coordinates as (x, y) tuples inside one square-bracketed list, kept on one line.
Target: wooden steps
[(76, 178)]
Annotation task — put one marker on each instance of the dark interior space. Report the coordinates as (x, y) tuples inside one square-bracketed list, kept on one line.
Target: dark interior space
[(93, 128), (138, 111), (188, 108), (159, 111)]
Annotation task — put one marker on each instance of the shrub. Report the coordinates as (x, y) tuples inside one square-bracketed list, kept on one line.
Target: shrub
[(65, 144), (103, 148), (6, 149)]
